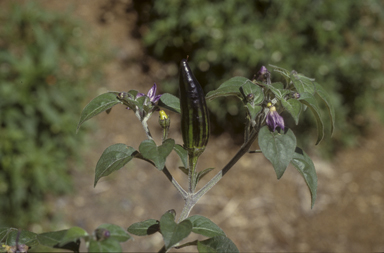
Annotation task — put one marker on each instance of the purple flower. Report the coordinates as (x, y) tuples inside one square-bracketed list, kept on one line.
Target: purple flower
[(151, 94), (274, 119)]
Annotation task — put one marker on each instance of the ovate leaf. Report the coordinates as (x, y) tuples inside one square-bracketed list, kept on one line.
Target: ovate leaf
[(293, 106), (220, 244), (116, 232), (147, 227), (99, 104), (204, 226), (173, 232), (303, 83), (72, 235), (183, 154), (305, 166), (53, 239), (112, 159), (170, 102), (278, 148), (157, 154), (107, 245), (228, 88)]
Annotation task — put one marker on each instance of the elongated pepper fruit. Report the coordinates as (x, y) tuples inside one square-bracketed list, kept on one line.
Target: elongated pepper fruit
[(195, 124)]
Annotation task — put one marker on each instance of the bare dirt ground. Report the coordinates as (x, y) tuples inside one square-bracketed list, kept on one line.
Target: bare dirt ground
[(258, 212)]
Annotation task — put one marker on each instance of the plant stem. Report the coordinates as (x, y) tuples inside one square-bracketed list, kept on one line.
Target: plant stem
[(192, 172), (242, 151)]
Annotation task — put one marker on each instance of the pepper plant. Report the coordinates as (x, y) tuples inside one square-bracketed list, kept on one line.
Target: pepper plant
[(263, 101)]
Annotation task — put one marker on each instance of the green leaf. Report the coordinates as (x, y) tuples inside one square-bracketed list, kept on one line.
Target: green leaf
[(293, 106), (116, 232), (325, 97), (281, 71), (73, 234), (25, 237), (305, 166), (310, 101), (228, 88), (157, 154), (107, 245), (147, 227), (170, 102), (221, 244), (303, 83), (112, 159), (250, 88), (52, 239), (202, 173), (204, 248), (4, 232), (184, 170), (253, 110), (99, 104), (183, 154), (173, 232), (204, 226), (279, 93), (277, 148)]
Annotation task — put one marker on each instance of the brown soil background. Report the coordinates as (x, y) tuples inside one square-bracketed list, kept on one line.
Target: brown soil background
[(258, 212)]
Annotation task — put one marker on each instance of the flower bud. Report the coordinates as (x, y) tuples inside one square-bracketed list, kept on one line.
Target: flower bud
[(164, 120), (102, 234)]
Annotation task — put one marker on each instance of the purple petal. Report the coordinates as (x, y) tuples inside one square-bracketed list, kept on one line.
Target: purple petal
[(140, 95), (156, 98), (152, 92)]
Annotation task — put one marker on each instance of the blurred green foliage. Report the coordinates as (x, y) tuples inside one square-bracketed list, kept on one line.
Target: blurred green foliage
[(339, 43), (45, 72)]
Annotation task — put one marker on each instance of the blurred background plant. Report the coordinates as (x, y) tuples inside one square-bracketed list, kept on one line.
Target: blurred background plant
[(46, 72), (339, 43)]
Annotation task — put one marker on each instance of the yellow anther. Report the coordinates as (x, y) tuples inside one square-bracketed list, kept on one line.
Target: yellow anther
[(269, 104), (163, 115)]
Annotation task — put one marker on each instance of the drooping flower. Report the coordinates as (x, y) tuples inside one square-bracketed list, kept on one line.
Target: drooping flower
[(274, 119), (151, 94)]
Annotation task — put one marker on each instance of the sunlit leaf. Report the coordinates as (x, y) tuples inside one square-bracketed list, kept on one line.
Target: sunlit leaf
[(157, 154), (112, 159), (99, 104), (147, 227), (230, 87), (204, 226), (170, 102), (173, 232)]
